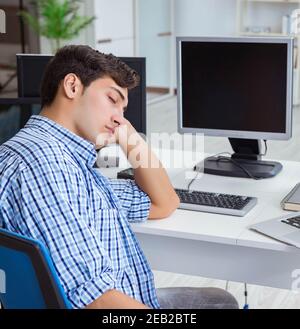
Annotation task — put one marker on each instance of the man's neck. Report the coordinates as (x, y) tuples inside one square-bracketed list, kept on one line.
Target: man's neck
[(55, 114)]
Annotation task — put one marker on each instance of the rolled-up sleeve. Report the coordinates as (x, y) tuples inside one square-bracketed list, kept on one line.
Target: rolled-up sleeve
[(50, 211), (135, 202)]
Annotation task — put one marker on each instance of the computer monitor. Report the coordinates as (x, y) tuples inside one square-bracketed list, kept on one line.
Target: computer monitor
[(32, 66), (240, 88)]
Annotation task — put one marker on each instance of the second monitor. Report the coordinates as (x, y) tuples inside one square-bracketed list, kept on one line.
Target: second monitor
[(240, 88)]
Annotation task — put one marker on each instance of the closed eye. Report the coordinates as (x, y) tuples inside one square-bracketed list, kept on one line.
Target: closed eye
[(112, 99)]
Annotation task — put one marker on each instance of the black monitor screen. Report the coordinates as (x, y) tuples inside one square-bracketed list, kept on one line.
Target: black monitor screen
[(234, 86), (30, 73)]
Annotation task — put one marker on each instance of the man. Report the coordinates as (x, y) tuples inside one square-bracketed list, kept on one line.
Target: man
[(49, 190)]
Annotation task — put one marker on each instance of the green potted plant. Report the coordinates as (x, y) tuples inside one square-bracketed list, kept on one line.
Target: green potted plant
[(57, 20)]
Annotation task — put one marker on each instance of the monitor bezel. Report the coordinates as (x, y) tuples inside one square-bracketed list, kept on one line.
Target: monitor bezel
[(239, 133)]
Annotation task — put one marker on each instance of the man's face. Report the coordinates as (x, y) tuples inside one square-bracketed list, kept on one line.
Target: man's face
[(99, 108)]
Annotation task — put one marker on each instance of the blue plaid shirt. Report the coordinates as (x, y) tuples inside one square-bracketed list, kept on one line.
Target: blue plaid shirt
[(49, 191)]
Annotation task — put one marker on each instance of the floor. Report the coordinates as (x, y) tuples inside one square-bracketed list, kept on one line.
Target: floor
[(162, 117)]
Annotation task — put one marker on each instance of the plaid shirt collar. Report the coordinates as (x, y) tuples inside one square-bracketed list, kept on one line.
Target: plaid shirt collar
[(76, 144)]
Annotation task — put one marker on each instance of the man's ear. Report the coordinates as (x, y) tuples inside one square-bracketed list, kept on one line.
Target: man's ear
[(72, 85)]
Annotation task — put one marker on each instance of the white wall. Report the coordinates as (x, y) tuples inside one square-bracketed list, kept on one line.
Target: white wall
[(156, 49), (205, 17), (218, 17)]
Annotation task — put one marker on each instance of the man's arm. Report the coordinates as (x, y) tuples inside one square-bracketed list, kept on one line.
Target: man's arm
[(51, 213), (115, 299), (149, 173)]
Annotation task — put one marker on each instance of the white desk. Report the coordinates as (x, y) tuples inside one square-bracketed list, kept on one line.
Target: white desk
[(220, 246)]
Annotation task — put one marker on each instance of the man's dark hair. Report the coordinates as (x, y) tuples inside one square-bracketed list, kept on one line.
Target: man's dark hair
[(88, 65)]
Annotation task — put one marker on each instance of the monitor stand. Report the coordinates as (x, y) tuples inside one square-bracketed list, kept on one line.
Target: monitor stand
[(247, 155)]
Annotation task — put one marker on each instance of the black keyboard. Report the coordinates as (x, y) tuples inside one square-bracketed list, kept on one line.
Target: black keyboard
[(227, 204), (294, 221)]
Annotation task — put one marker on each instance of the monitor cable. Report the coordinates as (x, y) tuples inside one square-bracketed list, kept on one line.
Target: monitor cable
[(192, 180), (220, 157), (246, 171), (246, 305)]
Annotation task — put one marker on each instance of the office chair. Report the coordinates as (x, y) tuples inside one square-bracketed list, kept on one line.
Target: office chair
[(27, 276)]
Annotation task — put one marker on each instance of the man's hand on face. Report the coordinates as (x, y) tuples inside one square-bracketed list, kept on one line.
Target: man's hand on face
[(122, 132)]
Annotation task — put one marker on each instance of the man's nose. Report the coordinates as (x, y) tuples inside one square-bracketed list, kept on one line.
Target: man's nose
[(121, 111), (116, 123)]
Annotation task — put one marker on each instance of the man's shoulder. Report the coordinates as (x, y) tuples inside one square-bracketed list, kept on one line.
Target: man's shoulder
[(33, 148)]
